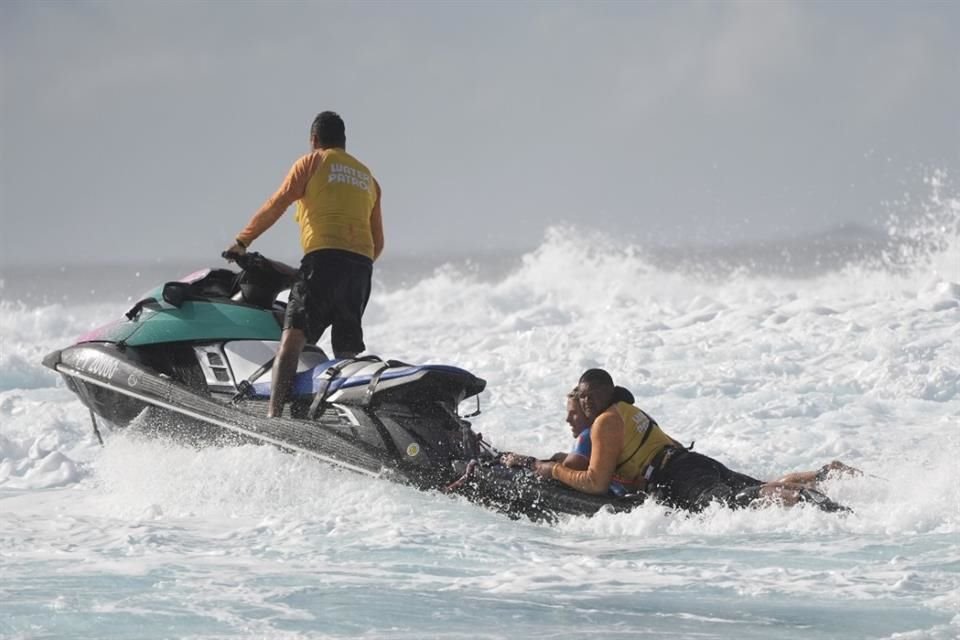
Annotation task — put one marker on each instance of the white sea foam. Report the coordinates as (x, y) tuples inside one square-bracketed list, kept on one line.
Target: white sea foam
[(767, 373)]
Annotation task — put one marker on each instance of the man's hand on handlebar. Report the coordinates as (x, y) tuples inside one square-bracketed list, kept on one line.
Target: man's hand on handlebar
[(235, 250)]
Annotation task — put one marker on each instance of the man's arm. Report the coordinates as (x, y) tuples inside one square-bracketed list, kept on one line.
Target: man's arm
[(606, 441), (575, 461), (376, 225), (292, 189)]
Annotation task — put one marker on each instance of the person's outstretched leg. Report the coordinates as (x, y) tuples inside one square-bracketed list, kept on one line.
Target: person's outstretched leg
[(813, 478), (784, 493), (284, 369), (789, 495)]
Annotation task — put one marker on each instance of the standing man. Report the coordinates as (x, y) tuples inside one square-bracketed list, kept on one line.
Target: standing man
[(341, 232)]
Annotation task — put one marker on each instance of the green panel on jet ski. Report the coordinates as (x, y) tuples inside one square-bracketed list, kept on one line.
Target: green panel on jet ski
[(117, 331), (203, 321)]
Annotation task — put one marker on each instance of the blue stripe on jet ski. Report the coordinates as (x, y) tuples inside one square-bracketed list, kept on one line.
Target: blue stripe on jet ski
[(307, 382)]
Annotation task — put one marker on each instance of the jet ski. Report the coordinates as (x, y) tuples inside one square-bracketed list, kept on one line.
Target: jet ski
[(192, 359)]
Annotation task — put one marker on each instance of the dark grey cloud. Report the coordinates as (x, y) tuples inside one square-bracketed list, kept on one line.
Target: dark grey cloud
[(156, 129)]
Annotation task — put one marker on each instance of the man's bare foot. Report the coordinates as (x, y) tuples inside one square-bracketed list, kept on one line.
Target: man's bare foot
[(836, 468)]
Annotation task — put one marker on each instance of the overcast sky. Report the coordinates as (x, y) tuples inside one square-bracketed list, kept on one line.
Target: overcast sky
[(157, 128)]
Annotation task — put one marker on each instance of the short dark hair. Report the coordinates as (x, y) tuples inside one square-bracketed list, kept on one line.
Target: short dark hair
[(329, 130), (597, 376), (621, 394)]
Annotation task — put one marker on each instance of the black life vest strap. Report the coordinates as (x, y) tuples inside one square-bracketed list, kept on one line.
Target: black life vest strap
[(665, 455)]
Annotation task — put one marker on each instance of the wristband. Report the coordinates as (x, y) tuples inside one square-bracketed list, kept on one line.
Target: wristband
[(243, 245)]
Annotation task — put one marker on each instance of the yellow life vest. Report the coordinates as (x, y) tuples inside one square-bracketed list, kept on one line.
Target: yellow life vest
[(642, 440), (334, 213)]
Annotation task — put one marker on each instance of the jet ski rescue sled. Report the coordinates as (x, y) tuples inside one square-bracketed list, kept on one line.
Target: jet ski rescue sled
[(193, 359)]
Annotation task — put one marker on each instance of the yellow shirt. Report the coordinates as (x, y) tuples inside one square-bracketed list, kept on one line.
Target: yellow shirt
[(338, 205)]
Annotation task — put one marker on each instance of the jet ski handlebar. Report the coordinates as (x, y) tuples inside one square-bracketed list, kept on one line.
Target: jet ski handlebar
[(231, 256), (261, 279), (254, 261)]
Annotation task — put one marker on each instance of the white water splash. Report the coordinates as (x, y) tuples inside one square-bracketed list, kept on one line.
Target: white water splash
[(767, 373)]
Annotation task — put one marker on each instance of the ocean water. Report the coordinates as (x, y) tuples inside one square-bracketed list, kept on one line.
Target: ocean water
[(851, 353)]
